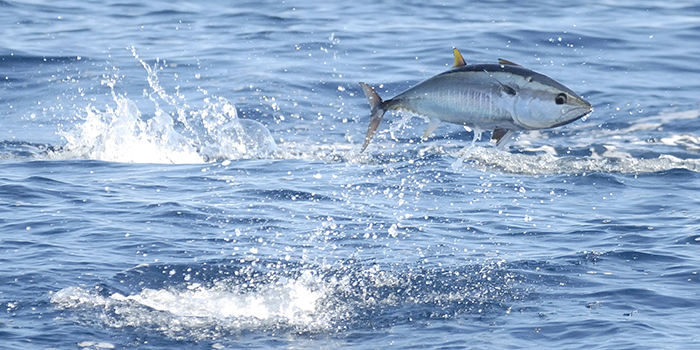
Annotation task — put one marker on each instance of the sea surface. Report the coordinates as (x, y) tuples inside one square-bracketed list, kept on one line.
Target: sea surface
[(187, 175)]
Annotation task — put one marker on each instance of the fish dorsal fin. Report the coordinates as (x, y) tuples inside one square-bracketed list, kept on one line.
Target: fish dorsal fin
[(459, 60), (507, 63)]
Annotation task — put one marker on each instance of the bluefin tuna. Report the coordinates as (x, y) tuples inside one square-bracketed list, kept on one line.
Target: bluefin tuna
[(503, 97)]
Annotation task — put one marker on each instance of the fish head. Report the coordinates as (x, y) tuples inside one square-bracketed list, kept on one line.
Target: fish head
[(544, 103)]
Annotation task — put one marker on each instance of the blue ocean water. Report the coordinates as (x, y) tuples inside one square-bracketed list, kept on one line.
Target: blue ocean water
[(187, 175)]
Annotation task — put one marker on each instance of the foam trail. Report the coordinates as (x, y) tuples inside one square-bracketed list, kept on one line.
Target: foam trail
[(543, 164)]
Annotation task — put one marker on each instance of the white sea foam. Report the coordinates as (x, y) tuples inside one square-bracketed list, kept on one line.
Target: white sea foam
[(293, 301)]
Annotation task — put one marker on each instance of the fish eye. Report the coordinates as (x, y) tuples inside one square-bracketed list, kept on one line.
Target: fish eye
[(560, 99)]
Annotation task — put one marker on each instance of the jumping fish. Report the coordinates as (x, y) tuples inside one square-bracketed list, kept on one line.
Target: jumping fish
[(503, 97)]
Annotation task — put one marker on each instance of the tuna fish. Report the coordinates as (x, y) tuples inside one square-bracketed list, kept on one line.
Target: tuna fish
[(503, 97)]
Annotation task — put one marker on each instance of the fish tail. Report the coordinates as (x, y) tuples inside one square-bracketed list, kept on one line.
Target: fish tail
[(377, 111)]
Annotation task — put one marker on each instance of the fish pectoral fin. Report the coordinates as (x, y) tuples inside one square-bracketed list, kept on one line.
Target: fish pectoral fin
[(459, 60), (507, 63), (502, 137), (432, 125), (507, 89)]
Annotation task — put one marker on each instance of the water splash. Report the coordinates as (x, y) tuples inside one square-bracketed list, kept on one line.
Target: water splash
[(120, 133), (200, 312)]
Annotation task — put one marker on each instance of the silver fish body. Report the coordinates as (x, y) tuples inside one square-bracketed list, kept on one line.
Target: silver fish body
[(503, 97)]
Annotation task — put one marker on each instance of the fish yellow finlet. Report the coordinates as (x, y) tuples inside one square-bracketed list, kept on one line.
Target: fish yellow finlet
[(459, 60)]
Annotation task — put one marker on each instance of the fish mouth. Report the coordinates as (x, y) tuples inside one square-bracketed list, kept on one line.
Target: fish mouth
[(575, 114)]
